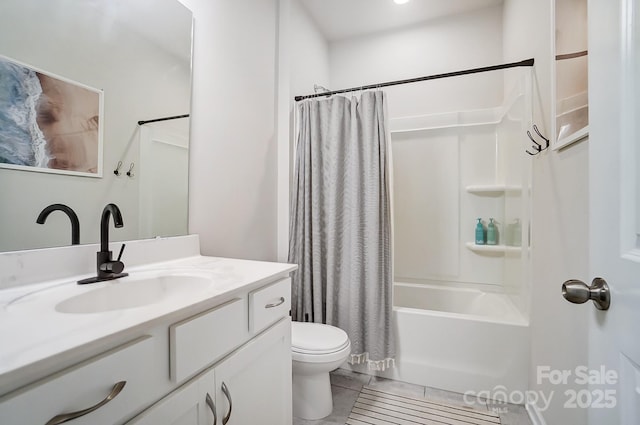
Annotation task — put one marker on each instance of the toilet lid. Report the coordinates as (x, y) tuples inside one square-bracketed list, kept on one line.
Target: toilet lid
[(316, 338)]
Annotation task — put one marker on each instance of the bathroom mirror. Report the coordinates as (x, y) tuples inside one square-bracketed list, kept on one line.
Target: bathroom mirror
[(137, 55), (571, 105)]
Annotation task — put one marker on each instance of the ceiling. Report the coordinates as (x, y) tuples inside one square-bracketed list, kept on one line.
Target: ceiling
[(340, 19)]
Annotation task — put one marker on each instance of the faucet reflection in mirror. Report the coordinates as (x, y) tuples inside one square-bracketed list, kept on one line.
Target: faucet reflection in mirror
[(106, 267), (73, 217)]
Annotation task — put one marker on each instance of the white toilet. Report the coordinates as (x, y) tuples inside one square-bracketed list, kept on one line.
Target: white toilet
[(316, 350)]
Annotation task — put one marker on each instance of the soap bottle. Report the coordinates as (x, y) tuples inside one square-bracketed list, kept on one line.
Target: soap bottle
[(517, 233), (479, 233), (509, 234), (492, 235)]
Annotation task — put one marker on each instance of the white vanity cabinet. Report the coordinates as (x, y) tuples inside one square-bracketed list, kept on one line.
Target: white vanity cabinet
[(231, 355), (252, 385)]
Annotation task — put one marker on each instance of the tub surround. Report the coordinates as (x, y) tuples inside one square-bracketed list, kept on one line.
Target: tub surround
[(43, 335)]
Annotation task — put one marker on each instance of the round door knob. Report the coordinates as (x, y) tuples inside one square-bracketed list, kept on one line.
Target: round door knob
[(578, 292)]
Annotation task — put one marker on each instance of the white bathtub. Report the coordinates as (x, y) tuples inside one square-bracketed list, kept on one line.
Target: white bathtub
[(459, 339)]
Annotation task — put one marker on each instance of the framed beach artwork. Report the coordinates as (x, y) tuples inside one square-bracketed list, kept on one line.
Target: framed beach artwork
[(48, 123)]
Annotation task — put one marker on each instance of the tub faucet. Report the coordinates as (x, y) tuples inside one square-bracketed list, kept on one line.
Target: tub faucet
[(107, 268), (75, 224)]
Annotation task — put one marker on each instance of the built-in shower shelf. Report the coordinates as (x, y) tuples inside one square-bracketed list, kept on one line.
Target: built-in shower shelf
[(490, 189), (493, 248)]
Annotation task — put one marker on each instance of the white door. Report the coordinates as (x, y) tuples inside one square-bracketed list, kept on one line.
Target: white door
[(614, 168)]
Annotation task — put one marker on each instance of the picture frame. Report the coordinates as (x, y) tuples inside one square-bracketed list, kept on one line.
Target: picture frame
[(49, 123)]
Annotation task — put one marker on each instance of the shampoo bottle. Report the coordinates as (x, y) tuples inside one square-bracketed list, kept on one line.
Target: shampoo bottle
[(492, 235), (509, 234), (479, 233), (517, 233)]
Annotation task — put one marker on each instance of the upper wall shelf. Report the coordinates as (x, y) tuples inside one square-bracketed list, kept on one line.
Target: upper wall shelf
[(460, 119), (490, 189)]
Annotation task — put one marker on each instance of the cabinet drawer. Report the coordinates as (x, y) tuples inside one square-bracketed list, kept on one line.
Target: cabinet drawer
[(199, 341), (268, 305), (85, 385)]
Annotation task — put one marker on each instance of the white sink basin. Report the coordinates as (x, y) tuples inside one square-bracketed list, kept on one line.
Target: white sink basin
[(131, 292)]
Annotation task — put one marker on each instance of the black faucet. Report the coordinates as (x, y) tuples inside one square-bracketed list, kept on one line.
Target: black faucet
[(75, 224), (107, 268)]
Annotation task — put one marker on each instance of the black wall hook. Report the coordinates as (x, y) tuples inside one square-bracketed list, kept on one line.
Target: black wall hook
[(537, 147), (535, 128), (117, 170), (130, 172)]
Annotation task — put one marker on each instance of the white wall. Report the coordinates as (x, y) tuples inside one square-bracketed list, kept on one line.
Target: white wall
[(560, 218), (309, 57), (443, 45), (232, 177)]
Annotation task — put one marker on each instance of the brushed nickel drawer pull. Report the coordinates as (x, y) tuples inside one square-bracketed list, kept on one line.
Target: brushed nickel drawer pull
[(276, 304), (227, 394), (66, 417), (212, 407)]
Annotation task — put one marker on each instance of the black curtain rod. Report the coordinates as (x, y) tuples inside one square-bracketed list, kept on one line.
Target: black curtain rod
[(526, 62), (163, 119)]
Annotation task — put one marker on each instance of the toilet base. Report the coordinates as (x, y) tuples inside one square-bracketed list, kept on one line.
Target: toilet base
[(312, 396)]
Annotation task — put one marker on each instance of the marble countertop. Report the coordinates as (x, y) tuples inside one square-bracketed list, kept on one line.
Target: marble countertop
[(35, 329)]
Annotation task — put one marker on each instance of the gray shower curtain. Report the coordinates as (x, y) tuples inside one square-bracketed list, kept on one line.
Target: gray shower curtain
[(340, 228)]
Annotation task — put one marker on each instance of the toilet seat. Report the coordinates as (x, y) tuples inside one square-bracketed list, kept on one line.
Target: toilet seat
[(316, 342)]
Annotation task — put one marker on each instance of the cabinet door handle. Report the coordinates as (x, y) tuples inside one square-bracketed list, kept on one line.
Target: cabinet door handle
[(212, 407), (66, 417), (276, 304), (227, 394)]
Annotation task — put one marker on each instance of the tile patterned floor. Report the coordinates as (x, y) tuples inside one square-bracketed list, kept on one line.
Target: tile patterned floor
[(346, 386)]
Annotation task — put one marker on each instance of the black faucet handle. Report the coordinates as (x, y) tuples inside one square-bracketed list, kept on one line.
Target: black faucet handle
[(121, 251)]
